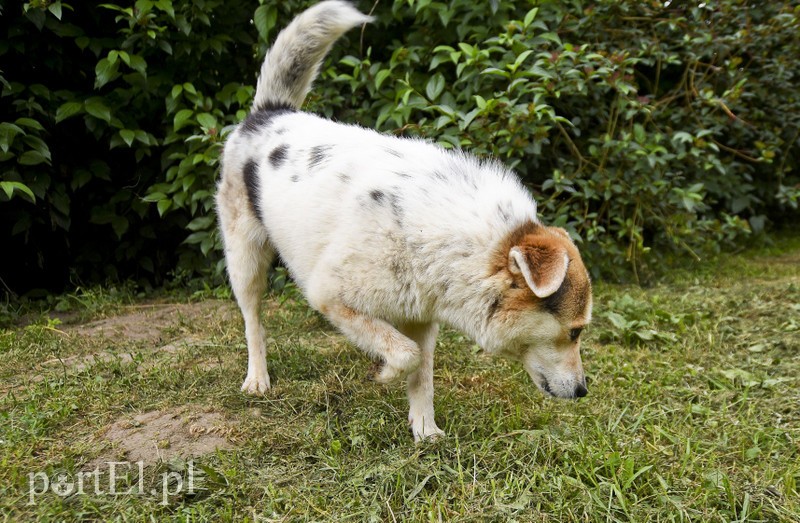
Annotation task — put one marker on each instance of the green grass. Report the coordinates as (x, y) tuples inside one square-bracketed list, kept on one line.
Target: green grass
[(693, 414)]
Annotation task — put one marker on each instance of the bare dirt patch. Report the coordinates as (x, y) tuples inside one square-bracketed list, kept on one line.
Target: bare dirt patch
[(149, 329), (164, 435), (79, 363), (148, 323)]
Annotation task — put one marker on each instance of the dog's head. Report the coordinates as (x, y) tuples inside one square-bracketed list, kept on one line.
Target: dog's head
[(544, 303)]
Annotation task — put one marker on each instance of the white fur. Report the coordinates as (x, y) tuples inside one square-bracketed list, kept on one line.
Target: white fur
[(386, 236), (305, 41)]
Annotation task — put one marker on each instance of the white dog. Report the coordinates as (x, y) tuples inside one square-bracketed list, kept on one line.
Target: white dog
[(388, 237)]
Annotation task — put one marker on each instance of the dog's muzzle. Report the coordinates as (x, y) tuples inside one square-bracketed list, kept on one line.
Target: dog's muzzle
[(579, 392)]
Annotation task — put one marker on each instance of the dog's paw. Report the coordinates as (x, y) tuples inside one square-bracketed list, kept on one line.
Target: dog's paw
[(398, 368), (425, 431), (256, 385), (389, 374)]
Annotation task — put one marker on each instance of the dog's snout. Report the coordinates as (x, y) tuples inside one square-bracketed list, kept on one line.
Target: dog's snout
[(581, 390)]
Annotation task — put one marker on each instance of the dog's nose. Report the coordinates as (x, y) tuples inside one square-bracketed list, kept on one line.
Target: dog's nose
[(581, 391)]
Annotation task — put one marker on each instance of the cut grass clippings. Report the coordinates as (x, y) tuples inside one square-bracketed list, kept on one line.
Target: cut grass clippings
[(693, 414)]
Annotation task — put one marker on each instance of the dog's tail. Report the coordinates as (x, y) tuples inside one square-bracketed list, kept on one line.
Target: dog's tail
[(293, 61)]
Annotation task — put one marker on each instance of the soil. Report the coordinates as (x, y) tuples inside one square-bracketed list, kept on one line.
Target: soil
[(148, 323), (165, 435)]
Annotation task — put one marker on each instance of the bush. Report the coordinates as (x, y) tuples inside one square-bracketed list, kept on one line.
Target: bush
[(645, 128)]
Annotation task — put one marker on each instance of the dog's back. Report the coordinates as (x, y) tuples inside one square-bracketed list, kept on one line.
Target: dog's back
[(319, 190)]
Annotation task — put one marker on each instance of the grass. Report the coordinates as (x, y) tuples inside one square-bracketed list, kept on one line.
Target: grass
[(693, 414)]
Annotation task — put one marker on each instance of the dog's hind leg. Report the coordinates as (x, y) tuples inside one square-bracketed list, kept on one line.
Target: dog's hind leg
[(249, 281), (248, 255), (420, 382)]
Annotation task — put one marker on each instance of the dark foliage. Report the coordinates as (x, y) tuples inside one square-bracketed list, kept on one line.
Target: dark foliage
[(645, 128)]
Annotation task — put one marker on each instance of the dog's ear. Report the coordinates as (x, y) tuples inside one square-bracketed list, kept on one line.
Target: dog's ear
[(542, 261)]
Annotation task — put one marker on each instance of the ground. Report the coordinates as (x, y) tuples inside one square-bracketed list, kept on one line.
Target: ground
[(693, 413)]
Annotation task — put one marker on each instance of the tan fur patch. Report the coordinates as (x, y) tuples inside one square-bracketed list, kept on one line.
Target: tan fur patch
[(571, 301)]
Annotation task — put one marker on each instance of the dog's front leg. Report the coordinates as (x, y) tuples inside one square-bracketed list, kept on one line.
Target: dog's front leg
[(376, 337), (420, 382)]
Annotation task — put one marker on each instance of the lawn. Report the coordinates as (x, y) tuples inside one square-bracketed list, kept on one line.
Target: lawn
[(693, 413)]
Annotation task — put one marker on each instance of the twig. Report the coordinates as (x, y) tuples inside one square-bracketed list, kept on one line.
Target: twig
[(736, 152), (364, 28), (10, 292), (571, 144)]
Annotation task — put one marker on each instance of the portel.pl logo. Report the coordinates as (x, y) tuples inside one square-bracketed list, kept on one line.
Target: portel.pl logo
[(94, 483)]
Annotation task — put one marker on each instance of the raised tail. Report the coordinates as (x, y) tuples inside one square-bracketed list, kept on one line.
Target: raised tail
[(293, 61)]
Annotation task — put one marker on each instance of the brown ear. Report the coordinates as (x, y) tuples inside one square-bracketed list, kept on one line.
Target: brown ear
[(542, 262)]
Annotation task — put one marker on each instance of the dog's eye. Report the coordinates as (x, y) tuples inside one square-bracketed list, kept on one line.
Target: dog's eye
[(574, 333)]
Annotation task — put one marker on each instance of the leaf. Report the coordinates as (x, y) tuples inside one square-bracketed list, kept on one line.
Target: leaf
[(97, 107), (55, 8), (382, 75), (105, 71), (200, 223), (163, 206), (10, 187), (166, 6), (154, 197), (530, 16), (30, 123), (128, 136), (8, 131), (617, 320), (120, 225), (747, 379), (418, 488), (551, 37), (68, 110), (182, 118), (638, 133), (138, 64), (468, 118), (265, 18), (37, 144), (683, 137), (435, 86), (32, 158), (207, 120), (521, 58)]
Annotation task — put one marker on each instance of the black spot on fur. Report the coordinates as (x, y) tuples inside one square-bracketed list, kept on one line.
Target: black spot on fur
[(299, 66), (377, 196), (554, 304), (251, 182), (397, 209), (503, 214), (278, 156), (403, 175), (439, 175), (396, 154), (493, 308), (263, 116), (295, 178), (317, 155), (344, 178)]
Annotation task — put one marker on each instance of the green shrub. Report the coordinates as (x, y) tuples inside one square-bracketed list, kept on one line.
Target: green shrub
[(645, 128)]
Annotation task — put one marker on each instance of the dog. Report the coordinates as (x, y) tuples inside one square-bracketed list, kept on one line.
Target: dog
[(388, 237)]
